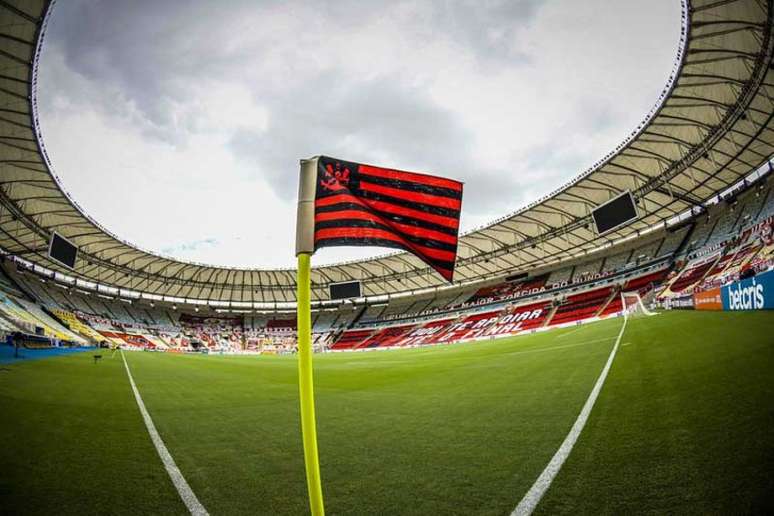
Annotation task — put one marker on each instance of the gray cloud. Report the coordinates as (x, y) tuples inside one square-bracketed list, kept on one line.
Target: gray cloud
[(489, 28), (513, 97), (148, 56), (150, 59), (374, 121)]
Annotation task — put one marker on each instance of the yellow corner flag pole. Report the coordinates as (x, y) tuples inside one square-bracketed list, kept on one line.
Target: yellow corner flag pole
[(306, 388), (304, 250)]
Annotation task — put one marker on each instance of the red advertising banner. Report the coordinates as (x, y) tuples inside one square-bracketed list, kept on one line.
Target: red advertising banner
[(708, 300)]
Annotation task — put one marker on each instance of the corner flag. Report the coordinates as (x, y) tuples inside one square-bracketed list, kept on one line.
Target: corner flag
[(363, 205), (342, 203)]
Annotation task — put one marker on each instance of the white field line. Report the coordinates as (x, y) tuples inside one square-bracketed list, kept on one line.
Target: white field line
[(541, 485), (183, 489)]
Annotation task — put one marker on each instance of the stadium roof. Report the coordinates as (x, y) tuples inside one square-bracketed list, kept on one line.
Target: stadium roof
[(711, 127)]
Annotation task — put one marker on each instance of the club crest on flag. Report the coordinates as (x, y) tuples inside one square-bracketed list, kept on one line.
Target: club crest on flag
[(335, 177)]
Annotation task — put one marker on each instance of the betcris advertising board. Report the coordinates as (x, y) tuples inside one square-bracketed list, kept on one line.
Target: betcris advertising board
[(756, 293)]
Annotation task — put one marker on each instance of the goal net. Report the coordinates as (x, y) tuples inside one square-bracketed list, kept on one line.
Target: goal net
[(633, 305)]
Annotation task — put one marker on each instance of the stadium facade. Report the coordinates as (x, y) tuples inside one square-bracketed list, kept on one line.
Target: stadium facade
[(698, 167)]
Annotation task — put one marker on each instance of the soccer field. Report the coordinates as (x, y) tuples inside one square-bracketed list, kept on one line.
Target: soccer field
[(683, 425)]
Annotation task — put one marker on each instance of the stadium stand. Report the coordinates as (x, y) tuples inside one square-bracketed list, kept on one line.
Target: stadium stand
[(645, 283), (351, 339), (559, 277), (426, 333), (582, 306), (542, 307), (583, 272), (466, 327), (692, 207), (374, 312), (711, 249), (616, 262), (692, 273), (740, 239), (325, 321), (70, 320), (649, 251), (386, 337), (496, 291), (674, 241)]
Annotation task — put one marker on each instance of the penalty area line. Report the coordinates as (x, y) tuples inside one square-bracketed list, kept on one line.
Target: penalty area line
[(183, 489), (530, 501)]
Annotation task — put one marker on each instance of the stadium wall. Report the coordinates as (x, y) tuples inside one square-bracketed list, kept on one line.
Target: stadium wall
[(756, 293)]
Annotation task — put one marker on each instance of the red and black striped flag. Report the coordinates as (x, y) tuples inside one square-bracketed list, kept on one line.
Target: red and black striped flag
[(363, 205)]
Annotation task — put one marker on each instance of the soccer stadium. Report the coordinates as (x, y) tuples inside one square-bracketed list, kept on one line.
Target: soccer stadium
[(607, 348)]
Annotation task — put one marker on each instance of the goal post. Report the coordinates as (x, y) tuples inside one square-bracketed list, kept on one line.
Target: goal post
[(633, 305)]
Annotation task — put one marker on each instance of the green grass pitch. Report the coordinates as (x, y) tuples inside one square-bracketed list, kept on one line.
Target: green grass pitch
[(684, 424)]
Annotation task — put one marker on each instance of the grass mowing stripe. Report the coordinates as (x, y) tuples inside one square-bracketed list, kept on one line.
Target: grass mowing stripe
[(183, 489), (532, 498), (507, 353), (554, 348), (575, 330)]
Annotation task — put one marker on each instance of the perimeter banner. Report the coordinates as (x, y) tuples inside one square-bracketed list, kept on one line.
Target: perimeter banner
[(708, 300), (755, 293)]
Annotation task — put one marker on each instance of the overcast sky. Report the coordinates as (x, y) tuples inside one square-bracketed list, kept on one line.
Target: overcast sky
[(179, 125)]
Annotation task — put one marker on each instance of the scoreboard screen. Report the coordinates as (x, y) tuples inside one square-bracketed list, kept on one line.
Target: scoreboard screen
[(615, 213), (61, 250), (345, 290)]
